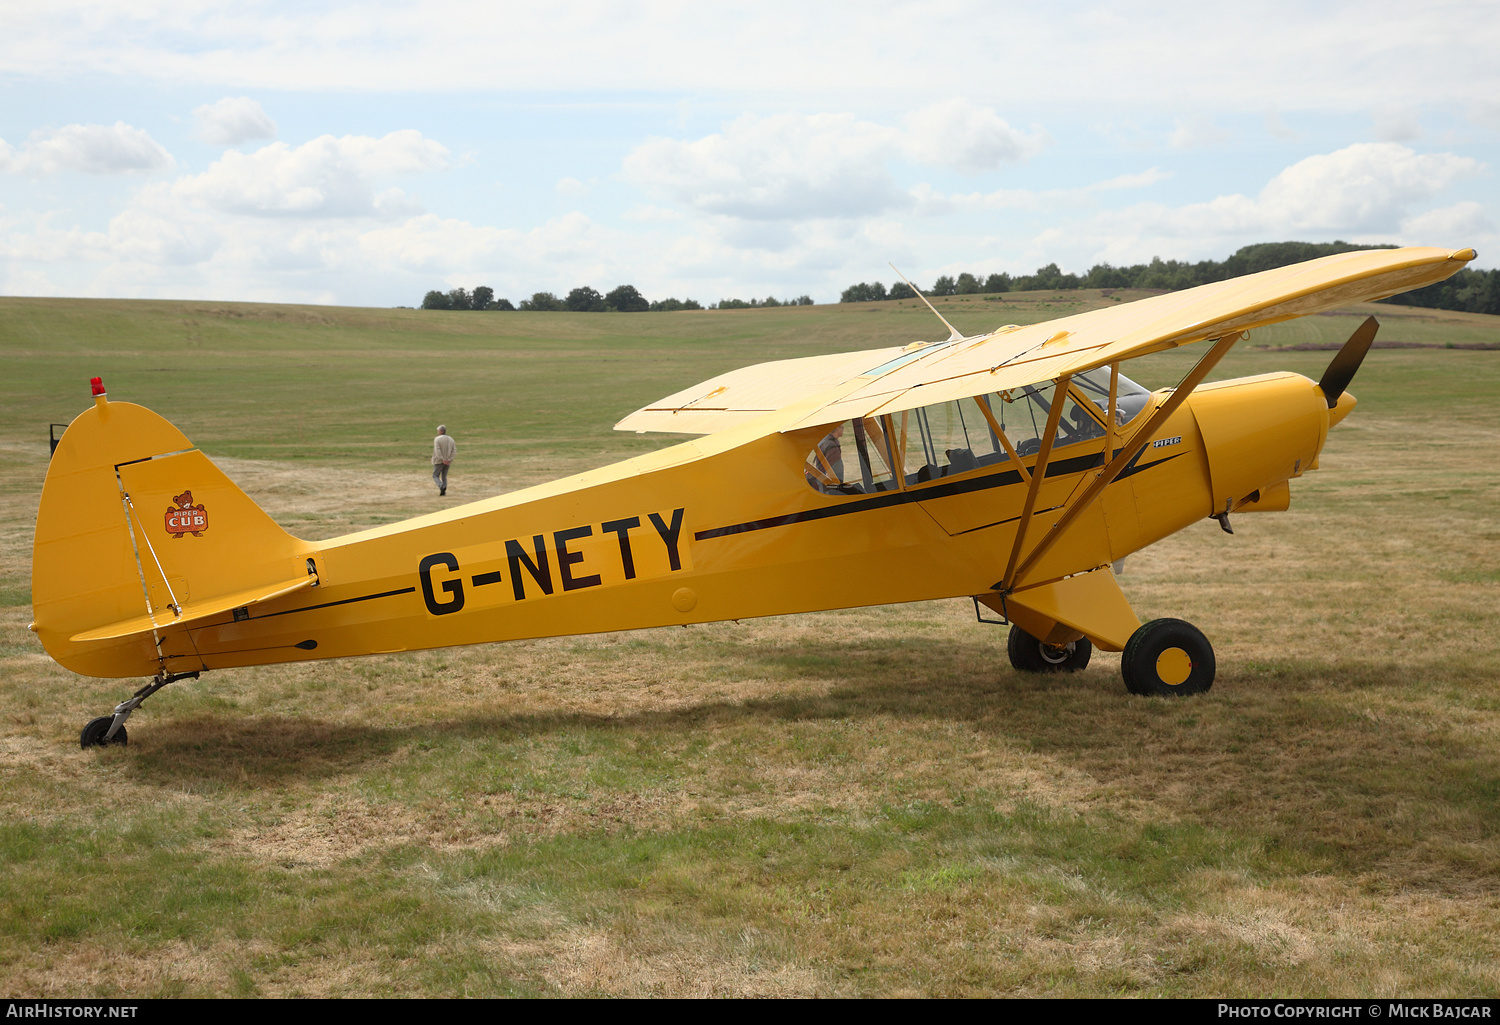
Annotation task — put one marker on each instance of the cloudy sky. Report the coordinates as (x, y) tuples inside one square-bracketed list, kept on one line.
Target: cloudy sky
[(363, 153)]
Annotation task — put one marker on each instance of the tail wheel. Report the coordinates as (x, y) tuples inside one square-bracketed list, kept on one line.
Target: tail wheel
[(1168, 656), (1030, 655), (93, 733)]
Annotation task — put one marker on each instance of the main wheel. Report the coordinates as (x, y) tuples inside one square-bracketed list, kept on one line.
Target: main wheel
[(93, 733), (1030, 655), (1168, 656)]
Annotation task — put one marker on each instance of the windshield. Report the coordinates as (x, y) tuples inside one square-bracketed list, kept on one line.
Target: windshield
[(1130, 398), (909, 448)]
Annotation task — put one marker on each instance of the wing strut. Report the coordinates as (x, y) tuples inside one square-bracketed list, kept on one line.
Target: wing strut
[(1038, 475), (1107, 475)]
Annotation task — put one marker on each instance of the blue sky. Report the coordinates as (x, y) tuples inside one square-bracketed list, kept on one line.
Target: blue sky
[(361, 154)]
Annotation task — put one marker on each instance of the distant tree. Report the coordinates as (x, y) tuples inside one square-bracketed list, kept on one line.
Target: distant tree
[(1050, 276), (543, 302), (482, 297), (460, 299), (733, 304), (968, 284), (626, 299), (944, 286), (500, 304), (771, 300), (864, 292), (1473, 291), (801, 300), (1270, 255), (436, 300), (901, 290), (1102, 275), (585, 300), (672, 305), (997, 283)]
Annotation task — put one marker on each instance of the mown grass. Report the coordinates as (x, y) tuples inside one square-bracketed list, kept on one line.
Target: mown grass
[(864, 802)]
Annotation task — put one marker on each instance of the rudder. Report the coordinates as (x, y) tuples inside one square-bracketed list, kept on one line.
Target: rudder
[(138, 534)]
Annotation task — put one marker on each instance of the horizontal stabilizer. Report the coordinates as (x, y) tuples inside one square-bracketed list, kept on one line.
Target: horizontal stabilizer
[(194, 611)]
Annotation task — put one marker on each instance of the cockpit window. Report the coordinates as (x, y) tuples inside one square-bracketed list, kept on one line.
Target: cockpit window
[(1130, 398), (949, 438), (854, 458)]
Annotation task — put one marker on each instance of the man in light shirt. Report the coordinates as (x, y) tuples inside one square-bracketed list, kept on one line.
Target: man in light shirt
[(443, 450)]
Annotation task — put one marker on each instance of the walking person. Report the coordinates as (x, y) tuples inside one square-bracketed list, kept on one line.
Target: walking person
[(443, 450)]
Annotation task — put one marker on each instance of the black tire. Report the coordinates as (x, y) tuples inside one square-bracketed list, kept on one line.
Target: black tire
[(93, 733), (1030, 655), (1168, 656)]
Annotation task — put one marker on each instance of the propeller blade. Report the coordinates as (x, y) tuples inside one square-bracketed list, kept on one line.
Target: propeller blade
[(1346, 364)]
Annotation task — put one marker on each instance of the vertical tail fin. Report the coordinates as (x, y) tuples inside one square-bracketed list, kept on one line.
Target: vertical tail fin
[(138, 535)]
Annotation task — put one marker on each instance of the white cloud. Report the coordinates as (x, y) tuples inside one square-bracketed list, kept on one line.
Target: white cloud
[(933, 203), (960, 135), (1361, 188), (1365, 192), (571, 188), (1123, 55), (93, 149), (233, 120), (1485, 112), (1397, 124), (1277, 128), (797, 166), (1462, 224), (1196, 133), (327, 177), (1138, 180), (771, 168)]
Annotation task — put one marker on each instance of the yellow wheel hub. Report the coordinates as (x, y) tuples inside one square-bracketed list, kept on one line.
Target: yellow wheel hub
[(1173, 667)]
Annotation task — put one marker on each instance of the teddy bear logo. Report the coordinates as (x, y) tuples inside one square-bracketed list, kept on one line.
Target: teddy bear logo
[(185, 517)]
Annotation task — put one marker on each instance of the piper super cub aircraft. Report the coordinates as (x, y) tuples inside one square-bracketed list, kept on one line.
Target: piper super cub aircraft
[(1013, 467)]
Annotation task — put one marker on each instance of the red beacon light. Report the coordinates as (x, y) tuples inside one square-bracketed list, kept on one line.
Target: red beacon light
[(97, 383)]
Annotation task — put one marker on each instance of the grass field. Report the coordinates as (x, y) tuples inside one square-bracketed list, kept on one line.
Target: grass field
[(859, 803)]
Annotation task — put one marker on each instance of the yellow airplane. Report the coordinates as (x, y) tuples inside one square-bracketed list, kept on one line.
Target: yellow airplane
[(1013, 467)]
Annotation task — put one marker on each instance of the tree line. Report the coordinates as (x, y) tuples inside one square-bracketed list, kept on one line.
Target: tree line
[(1469, 290), (622, 299)]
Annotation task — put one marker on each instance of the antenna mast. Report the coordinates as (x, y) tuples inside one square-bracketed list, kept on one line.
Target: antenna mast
[(954, 334)]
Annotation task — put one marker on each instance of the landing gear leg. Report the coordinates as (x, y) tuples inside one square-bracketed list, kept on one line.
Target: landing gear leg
[(1168, 656), (110, 729)]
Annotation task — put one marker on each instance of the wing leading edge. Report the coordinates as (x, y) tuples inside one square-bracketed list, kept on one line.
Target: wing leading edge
[(877, 381)]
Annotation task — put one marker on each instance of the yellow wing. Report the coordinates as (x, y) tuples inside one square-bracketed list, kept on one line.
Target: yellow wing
[(1071, 345), (742, 395), (889, 380)]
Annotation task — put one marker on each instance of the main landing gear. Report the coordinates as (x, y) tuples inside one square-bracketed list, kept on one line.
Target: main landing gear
[(1165, 656), (1168, 656), (110, 729), (1030, 655)]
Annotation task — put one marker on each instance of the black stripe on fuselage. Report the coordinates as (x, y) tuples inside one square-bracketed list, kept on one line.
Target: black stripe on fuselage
[(1061, 468), (341, 601)]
